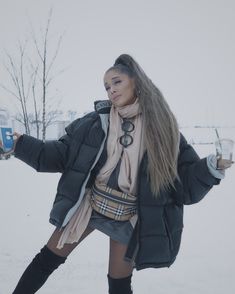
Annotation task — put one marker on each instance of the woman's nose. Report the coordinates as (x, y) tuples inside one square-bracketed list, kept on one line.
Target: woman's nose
[(112, 90)]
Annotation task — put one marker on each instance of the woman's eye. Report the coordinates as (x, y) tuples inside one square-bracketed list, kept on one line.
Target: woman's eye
[(117, 82)]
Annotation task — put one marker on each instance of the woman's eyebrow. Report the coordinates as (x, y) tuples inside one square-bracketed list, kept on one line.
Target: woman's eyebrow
[(113, 78), (117, 77)]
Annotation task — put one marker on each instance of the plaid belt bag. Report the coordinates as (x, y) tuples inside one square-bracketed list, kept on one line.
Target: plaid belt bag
[(112, 203)]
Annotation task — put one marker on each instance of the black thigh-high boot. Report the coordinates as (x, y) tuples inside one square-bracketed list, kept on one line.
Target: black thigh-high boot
[(36, 274), (120, 286)]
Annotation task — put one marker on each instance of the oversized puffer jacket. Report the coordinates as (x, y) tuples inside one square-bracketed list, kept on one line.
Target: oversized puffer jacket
[(79, 155)]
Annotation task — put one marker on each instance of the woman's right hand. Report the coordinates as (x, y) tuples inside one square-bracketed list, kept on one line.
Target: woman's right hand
[(16, 137)]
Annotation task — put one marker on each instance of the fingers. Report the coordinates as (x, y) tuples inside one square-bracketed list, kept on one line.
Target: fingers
[(16, 135), (8, 152), (224, 163)]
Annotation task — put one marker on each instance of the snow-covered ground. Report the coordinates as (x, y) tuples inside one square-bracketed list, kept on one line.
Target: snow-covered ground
[(205, 264)]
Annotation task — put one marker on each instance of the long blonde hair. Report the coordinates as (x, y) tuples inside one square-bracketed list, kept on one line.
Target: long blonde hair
[(161, 131)]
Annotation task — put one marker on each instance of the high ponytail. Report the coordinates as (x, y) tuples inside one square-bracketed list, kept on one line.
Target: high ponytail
[(161, 131)]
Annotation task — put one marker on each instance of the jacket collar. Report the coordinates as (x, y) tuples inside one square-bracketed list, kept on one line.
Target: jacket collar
[(102, 106)]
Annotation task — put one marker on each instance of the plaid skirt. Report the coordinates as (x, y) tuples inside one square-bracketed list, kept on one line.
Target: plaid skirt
[(119, 231)]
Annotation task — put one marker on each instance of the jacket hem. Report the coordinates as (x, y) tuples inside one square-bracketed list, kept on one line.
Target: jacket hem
[(154, 265)]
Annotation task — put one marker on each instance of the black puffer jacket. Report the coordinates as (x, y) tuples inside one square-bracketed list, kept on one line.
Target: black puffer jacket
[(79, 155)]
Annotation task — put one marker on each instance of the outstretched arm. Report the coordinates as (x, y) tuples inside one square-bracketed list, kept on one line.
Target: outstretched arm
[(196, 180), (48, 156)]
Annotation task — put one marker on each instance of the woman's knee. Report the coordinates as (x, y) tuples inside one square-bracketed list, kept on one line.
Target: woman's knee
[(67, 248)]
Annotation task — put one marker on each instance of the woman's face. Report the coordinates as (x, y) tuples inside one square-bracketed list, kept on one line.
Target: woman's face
[(120, 88)]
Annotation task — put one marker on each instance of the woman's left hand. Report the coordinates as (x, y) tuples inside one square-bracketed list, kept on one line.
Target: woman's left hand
[(224, 163)]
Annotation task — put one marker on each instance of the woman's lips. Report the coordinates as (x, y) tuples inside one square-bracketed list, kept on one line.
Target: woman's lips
[(116, 97)]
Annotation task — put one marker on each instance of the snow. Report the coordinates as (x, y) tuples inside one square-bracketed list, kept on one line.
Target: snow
[(205, 263)]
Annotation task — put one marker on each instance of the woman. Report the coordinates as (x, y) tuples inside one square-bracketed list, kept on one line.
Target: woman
[(126, 171)]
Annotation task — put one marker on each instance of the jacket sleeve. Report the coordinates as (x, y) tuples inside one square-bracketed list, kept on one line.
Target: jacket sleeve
[(195, 179), (48, 156)]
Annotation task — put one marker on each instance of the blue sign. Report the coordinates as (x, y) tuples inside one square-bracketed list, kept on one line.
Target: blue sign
[(7, 138)]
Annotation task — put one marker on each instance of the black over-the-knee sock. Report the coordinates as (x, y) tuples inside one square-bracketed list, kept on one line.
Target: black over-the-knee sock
[(36, 274), (120, 286)]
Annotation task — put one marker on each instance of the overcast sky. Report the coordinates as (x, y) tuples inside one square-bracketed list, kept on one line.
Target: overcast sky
[(186, 47)]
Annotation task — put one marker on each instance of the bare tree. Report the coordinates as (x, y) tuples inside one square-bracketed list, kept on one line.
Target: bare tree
[(46, 76), (31, 79), (35, 120), (21, 91)]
